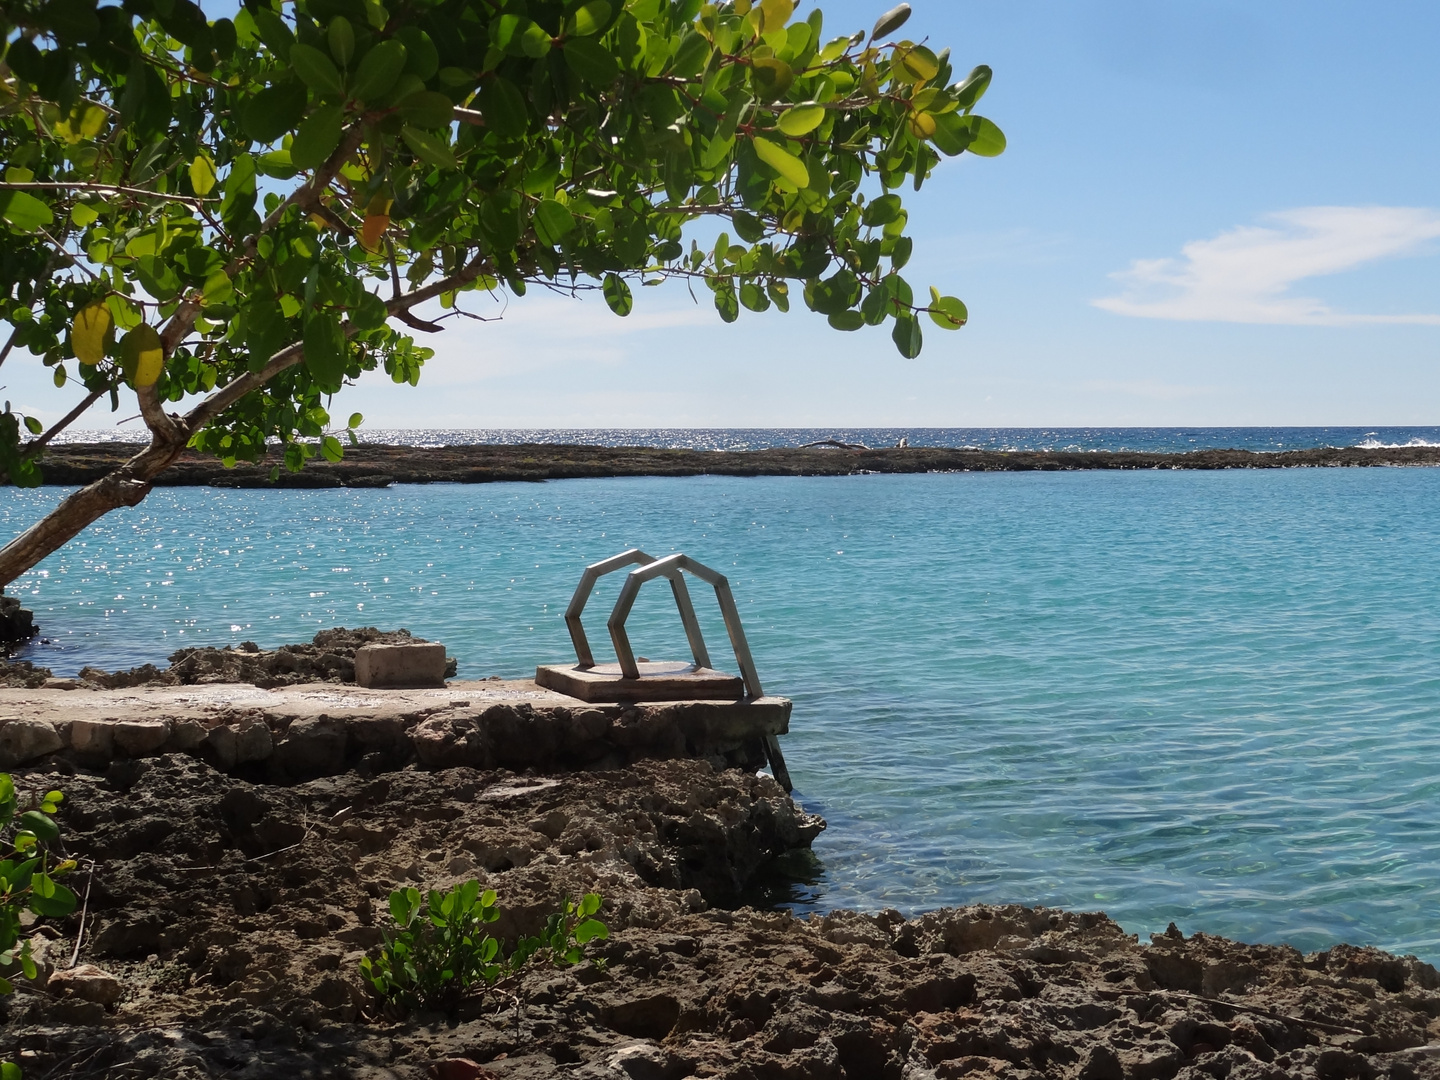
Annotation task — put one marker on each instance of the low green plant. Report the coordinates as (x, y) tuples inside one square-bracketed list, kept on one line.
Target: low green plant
[(440, 951), (27, 882), (27, 878)]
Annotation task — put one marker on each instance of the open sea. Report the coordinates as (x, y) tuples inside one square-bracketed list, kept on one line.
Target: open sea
[(1206, 697)]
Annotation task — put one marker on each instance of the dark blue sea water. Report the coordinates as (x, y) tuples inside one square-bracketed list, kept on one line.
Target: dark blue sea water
[(1159, 440), (1206, 697)]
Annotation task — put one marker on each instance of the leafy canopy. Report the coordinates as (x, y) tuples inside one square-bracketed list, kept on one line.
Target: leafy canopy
[(246, 208)]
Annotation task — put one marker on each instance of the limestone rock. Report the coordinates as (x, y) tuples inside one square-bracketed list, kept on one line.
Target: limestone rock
[(23, 740), (140, 738), (88, 983)]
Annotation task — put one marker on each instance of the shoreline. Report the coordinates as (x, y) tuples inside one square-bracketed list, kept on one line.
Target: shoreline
[(377, 465), (232, 904)]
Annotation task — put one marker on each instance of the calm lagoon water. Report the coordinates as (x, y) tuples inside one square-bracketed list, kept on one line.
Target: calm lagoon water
[(1206, 697)]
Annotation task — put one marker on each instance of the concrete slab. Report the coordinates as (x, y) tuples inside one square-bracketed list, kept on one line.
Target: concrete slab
[(297, 732), (658, 681)]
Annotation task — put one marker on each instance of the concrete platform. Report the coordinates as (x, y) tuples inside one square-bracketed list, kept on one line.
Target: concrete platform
[(319, 729), (659, 681)]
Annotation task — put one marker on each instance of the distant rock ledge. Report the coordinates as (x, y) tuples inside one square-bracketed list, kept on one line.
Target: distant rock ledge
[(371, 465)]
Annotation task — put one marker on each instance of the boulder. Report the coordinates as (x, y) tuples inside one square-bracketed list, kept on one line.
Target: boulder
[(23, 740)]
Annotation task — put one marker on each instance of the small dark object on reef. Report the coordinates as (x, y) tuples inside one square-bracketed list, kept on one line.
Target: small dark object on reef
[(330, 657)]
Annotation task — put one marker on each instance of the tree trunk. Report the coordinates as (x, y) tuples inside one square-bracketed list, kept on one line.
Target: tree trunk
[(125, 486)]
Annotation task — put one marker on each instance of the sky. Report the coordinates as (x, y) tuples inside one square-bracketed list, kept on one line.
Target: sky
[(1209, 213)]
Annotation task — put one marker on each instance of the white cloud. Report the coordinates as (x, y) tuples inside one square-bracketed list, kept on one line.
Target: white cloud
[(1245, 275)]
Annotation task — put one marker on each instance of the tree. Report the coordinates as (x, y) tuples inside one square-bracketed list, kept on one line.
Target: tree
[(243, 215)]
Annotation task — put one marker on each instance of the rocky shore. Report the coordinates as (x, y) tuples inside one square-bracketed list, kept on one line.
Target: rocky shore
[(371, 465), (228, 904), (227, 920)]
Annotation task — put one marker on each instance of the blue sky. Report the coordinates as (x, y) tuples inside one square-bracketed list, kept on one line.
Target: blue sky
[(1209, 213)]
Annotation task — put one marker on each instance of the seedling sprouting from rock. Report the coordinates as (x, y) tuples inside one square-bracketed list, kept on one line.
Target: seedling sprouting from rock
[(440, 952)]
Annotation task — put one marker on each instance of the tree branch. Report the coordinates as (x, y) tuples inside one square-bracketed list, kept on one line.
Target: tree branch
[(86, 185)]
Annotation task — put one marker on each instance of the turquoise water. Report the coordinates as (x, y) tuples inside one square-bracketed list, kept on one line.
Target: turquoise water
[(1206, 697)]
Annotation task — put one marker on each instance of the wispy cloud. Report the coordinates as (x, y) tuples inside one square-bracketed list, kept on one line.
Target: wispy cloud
[(1245, 275)]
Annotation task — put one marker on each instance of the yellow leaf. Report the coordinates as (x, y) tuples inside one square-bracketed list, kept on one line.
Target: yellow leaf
[(922, 124), (202, 175), (775, 14), (87, 333), (92, 121), (373, 229), (142, 349)]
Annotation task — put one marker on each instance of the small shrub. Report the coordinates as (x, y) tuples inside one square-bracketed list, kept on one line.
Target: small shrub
[(27, 879), (440, 951), (27, 882)]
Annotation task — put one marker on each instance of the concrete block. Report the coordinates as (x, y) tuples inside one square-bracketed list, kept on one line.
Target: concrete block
[(140, 738), (26, 740), (400, 666), (93, 738)]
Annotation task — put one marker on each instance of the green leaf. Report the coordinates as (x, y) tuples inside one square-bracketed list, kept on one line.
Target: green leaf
[(881, 211), (428, 147), (846, 320), (369, 314), (690, 55), (428, 109), (588, 19), (973, 87), (318, 135), (356, 419), (552, 222), (618, 295), (906, 336), (503, 107), (592, 61), (900, 253), (988, 140), (953, 133), (33, 425), (274, 31), (378, 70), (317, 69), (218, 288), (274, 111), (726, 302), (399, 908), (782, 161), (946, 312), (331, 449), (591, 930), (202, 176), (919, 64), (801, 120), (891, 21), (325, 351), (422, 59), (340, 36), (772, 76), (59, 903), (24, 211)]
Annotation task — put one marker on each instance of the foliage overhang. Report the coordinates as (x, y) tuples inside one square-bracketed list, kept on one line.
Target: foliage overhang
[(250, 210)]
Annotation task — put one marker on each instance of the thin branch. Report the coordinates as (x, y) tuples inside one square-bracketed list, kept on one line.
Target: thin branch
[(34, 446), (120, 189), (294, 353)]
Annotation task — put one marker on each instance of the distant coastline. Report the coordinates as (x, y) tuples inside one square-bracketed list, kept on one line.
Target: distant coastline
[(370, 465)]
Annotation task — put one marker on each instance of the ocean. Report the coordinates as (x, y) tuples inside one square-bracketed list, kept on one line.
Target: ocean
[(1212, 698)]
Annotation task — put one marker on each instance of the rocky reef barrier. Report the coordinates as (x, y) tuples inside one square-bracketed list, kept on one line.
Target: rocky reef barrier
[(372, 465), (229, 902)]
